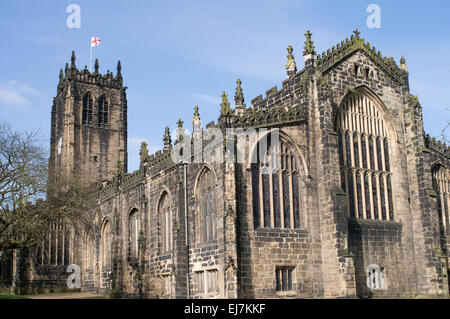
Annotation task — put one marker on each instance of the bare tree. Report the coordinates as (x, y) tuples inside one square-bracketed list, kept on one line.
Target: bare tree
[(25, 219), (444, 133)]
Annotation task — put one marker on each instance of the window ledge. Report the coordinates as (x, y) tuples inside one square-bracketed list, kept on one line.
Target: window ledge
[(290, 293), (372, 221), (208, 295), (297, 231)]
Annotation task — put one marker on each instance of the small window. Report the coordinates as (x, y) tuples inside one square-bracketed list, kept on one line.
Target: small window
[(212, 281), (374, 277), (284, 278), (207, 282), (200, 280)]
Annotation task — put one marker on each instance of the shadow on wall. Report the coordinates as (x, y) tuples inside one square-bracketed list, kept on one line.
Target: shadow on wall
[(356, 247)]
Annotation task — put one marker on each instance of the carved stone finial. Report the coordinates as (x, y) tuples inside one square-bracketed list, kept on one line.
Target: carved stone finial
[(72, 59), (180, 130), (239, 95), (143, 153), (119, 68), (225, 105), (96, 66), (309, 44), (167, 140), (196, 114), (61, 75), (356, 33), (196, 124), (291, 67), (403, 65)]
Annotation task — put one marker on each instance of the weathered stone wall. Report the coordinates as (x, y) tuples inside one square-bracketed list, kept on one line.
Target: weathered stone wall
[(340, 79), (330, 252), (378, 243), (90, 149)]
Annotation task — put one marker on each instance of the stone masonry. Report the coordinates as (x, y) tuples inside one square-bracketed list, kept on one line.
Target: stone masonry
[(192, 229)]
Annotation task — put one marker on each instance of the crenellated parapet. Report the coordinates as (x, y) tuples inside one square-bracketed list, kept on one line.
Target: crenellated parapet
[(131, 180), (159, 162), (338, 52), (274, 96), (85, 76), (436, 145), (109, 188), (267, 117)]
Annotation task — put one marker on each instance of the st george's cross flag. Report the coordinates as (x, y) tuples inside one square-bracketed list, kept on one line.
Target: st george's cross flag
[(95, 41)]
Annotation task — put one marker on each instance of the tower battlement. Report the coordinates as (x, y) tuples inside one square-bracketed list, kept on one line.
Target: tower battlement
[(89, 123), (85, 76)]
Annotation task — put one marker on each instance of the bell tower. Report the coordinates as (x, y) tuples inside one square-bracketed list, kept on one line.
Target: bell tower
[(88, 124)]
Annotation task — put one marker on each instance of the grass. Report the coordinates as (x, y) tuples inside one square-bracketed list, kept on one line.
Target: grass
[(11, 296)]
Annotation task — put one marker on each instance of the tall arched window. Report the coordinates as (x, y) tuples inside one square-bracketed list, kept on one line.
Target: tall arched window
[(106, 244), (275, 186), (133, 233), (89, 251), (365, 159), (207, 207), (165, 216), (102, 111), (441, 187), (88, 108)]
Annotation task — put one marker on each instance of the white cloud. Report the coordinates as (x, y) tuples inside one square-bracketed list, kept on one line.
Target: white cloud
[(16, 94)]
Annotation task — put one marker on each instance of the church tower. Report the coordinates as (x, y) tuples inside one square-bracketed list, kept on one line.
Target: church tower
[(88, 124)]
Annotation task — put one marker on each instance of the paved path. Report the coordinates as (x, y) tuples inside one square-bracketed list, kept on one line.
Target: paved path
[(68, 295)]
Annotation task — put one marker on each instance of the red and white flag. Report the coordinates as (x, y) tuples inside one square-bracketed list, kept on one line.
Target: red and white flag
[(95, 41)]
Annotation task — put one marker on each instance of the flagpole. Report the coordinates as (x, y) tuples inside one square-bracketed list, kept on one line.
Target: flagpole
[(90, 60)]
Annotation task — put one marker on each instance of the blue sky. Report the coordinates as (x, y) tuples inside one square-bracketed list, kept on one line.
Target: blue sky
[(176, 54)]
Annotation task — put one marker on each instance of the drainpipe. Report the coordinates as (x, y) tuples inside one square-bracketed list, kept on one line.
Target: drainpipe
[(186, 229)]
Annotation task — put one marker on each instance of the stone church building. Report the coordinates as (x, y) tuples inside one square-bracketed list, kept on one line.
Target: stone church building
[(359, 206)]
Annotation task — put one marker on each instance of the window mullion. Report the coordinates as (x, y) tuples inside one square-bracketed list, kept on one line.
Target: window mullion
[(291, 199), (281, 195), (272, 217), (261, 199)]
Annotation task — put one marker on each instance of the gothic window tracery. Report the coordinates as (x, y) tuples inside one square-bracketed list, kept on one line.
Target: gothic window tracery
[(106, 244), (365, 161), (165, 223), (88, 251), (133, 233), (103, 111), (88, 109), (276, 194), (441, 183), (208, 207)]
